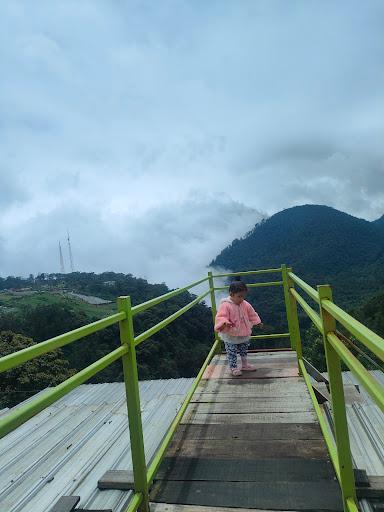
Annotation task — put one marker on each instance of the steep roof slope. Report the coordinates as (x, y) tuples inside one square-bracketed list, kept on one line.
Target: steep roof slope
[(66, 448)]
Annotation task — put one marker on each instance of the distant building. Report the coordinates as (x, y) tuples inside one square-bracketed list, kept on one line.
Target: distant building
[(95, 301)]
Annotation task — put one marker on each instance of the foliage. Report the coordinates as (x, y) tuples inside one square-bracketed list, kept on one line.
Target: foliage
[(322, 245), (176, 351), (313, 348), (20, 382)]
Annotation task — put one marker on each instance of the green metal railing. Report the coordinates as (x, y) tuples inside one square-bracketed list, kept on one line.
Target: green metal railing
[(325, 320), (336, 352)]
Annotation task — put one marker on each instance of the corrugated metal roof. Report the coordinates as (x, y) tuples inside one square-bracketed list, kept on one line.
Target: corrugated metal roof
[(366, 430), (366, 427), (66, 448)]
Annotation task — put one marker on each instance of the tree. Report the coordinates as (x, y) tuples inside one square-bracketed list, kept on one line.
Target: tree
[(313, 348), (29, 378)]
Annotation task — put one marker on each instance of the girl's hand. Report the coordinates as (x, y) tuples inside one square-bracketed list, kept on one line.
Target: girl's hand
[(227, 324)]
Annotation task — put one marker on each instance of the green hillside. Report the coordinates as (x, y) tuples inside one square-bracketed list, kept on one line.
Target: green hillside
[(40, 310), (322, 244), (379, 222)]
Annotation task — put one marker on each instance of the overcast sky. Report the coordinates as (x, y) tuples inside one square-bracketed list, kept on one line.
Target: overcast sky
[(156, 132)]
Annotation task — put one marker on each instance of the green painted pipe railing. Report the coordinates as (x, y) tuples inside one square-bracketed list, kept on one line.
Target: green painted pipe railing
[(325, 321), (22, 356), (336, 352)]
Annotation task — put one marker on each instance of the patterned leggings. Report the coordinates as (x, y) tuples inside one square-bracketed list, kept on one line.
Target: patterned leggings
[(233, 349)]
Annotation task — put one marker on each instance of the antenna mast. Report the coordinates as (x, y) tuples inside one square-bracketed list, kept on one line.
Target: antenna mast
[(70, 253), (62, 268)]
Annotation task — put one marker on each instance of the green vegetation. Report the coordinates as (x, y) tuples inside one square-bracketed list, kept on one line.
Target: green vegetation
[(176, 351), (322, 245), (23, 381)]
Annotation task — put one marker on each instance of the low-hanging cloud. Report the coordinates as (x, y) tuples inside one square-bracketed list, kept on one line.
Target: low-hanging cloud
[(157, 132), (170, 243)]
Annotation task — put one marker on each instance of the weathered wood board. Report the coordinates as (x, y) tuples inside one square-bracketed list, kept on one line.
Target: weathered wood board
[(251, 442), (319, 495), (171, 507), (263, 417), (248, 431), (248, 406), (222, 372), (292, 400), (240, 448), (244, 470)]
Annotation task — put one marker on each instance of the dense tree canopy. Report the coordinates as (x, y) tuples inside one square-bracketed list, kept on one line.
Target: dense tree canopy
[(33, 376), (176, 351)]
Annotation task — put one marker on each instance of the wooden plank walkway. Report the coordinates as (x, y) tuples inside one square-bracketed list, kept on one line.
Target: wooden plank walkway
[(250, 442)]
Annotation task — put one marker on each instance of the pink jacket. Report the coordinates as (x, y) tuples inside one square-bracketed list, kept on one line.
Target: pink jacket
[(243, 316)]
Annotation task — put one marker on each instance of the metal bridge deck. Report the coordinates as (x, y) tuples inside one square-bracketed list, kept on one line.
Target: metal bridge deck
[(251, 442)]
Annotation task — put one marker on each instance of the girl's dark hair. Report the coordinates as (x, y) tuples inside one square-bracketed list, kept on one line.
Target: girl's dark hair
[(237, 287)]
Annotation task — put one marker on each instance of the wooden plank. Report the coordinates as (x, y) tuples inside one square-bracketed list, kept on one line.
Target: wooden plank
[(284, 383), (245, 470), (265, 431), (322, 495), (171, 507), (361, 477), (117, 479), (253, 387), (263, 417), (314, 372), (222, 372), (244, 449), (65, 504), (320, 397), (374, 490), (230, 398), (266, 354), (248, 407), (254, 357), (351, 394), (261, 362)]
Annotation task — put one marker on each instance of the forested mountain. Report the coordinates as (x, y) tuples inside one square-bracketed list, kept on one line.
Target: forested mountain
[(372, 314), (379, 222), (323, 245), (176, 351)]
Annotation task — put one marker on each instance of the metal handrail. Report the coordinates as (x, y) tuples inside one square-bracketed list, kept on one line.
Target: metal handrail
[(157, 300), (336, 352), (21, 356), (250, 272), (371, 340), (325, 322)]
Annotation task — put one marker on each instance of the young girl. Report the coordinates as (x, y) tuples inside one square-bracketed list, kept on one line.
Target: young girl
[(234, 321)]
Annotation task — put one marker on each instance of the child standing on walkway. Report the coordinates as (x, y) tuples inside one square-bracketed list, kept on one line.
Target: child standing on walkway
[(234, 321)]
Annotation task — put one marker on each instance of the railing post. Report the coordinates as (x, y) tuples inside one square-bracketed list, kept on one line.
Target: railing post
[(133, 403), (347, 480), (291, 309), (213, 306)]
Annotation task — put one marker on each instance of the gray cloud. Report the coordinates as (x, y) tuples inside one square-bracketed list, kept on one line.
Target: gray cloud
[(113, 115), (173, 241)]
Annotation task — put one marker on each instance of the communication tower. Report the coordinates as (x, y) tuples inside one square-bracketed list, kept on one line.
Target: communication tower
[(62, 268), (70, 253)]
